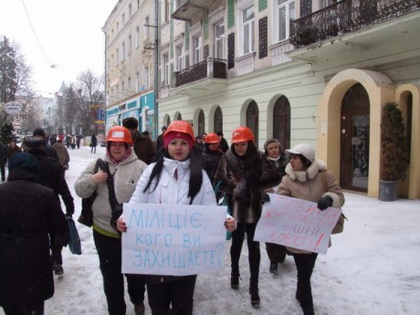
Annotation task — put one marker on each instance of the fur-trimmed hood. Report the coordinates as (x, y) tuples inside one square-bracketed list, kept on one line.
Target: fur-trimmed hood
[(310, 173)]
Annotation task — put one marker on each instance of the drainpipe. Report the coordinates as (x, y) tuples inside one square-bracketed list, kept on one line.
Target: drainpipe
[(156, 75)]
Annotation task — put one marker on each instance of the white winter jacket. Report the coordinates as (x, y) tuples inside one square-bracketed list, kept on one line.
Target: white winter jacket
[(171, 190)]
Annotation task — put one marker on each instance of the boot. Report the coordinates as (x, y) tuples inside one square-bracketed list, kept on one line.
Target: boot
[(255, 298), (234, 282), (273, 268), (308, 310), (58, 269)]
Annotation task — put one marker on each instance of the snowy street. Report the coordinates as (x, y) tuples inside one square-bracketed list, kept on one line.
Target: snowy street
[(371, 268)]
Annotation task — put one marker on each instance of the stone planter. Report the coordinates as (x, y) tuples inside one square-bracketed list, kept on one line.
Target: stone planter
[(388, 190)]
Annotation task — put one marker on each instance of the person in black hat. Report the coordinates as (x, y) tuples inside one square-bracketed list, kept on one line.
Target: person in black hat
[(30, 214), (49, 150), (159, 140), (51, 175), (143, 146)]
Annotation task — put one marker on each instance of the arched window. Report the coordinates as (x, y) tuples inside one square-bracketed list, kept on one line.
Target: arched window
[(201, 123), (168, 121), (281, 122), (218, 120), (252, 119), (178, 116)]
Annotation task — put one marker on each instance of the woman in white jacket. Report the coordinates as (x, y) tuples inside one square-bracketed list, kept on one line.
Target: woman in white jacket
[(176, 178)]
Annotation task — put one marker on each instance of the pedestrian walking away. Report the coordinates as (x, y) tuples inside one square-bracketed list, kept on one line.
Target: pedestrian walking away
[(30, 215)]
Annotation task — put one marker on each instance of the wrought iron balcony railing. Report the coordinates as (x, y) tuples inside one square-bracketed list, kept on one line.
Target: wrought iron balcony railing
[(210, 68), (346, 16)]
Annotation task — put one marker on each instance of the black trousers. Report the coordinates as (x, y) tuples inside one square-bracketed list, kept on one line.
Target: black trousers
[(254, 255), (109, 251), (3, 172), (305, 264), (174, 297), (276, 253), (37, 309), (56, 250)]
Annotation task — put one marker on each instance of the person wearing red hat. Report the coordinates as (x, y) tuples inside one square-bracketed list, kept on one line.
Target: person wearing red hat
[(175, 178), (240, 169), (123, 168)]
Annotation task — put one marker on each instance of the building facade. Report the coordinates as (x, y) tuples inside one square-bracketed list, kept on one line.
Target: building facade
[(301, 71), (129, 64)]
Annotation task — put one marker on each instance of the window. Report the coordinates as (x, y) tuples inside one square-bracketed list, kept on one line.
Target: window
[(285, 14), (138, 83), (123, 20), (137, 37), (129, 85), (166, 69), (146, 27), (166, 11), (117, 53), (179, 57), (146, 77), (248, 29), (129, 45), (187, 61), (219, 48), (130, 11), (118, 27), (122, 51), (197, 49)]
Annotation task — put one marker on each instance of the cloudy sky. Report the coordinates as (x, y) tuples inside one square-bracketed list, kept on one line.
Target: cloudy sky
[(60, 33)]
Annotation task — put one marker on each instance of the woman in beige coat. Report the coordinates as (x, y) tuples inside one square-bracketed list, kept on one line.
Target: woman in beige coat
[(304, 180)]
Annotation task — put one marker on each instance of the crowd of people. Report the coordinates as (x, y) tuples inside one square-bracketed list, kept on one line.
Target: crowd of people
[(179, 169)]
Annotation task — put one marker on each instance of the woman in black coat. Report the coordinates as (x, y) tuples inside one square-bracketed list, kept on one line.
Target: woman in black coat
[(29, 213)]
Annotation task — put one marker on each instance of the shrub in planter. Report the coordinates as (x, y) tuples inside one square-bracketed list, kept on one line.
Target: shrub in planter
[(395, 157)]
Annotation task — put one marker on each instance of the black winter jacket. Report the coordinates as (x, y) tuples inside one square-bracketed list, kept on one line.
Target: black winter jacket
[(51, 175), (29, 212)]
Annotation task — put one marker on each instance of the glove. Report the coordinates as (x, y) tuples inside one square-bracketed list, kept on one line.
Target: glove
[(116, 213), (265, 198), (324, 203)]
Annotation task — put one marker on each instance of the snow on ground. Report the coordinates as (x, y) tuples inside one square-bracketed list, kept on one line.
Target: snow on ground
[(372, 268)]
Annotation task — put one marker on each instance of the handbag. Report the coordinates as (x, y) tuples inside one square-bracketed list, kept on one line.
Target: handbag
[(339, 226), (74, 239), (86, 215)]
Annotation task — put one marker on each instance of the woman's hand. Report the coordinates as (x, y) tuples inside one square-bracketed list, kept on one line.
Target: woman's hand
[(121, 226), (230, 224), (99, 177)]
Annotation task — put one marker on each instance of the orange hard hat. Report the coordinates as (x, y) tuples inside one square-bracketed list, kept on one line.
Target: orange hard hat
[(211, 138), (119, 134), (181, 126), (242, 134)]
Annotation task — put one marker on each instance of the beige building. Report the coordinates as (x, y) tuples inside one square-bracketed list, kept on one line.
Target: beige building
[(129, 63), (300, 71)]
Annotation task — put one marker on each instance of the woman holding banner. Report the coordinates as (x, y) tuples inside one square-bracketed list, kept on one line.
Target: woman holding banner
[(307, 178), (176, 178), (239, 170)]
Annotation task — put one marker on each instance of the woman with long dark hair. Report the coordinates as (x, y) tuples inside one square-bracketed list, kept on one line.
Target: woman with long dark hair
[(175, 178), (240, 170)]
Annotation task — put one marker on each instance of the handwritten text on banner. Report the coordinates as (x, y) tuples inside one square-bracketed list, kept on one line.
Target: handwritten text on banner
[(296, 223), (173, 240)]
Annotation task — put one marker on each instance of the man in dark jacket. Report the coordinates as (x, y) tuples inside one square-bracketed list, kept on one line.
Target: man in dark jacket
[(29, 214), (51, 175), (49, 149), (143, 146), (159, 140)]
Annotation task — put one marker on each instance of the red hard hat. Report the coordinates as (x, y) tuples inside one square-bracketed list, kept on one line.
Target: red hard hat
[(119, 134), (211, 138), (242, 134), (182, 127)]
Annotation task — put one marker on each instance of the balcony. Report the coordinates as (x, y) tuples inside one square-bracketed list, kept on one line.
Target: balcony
[(206, 69), (347, 16), (186, 10)]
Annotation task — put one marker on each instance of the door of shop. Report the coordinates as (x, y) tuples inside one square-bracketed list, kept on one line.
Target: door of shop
[(354, 166)]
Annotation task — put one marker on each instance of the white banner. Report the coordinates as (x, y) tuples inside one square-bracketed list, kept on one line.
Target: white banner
[(174, 240), (296, 223)]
